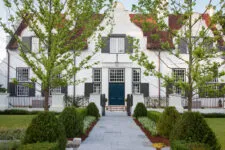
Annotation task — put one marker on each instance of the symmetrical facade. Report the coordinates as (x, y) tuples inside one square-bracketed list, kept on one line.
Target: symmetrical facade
[(116, 75)]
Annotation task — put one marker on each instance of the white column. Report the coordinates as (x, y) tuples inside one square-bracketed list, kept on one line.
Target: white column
[(105, 82), (58, 103), (128, 81), (175, 100), (4, 103), (137, 98), (96, 98)]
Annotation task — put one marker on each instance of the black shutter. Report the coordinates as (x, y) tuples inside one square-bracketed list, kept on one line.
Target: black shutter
[(12, 89), (129, 44), (145, 89), (88, 89), (182, 46), (32, 90), (27, 42), (106, 45), (64, 90), (42, 91)]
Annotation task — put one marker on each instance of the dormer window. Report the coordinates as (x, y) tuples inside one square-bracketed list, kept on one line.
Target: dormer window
[(117, 45)]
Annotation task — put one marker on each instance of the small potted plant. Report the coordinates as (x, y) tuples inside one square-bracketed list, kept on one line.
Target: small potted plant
[(158, 146)]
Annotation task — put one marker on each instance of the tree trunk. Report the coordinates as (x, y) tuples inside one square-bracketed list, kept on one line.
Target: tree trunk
[(46, 102), (190, 89)]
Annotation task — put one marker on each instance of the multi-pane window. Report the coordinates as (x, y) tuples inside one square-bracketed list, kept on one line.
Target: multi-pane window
[(136, 78), (56, 90), (179, 75), (116, 75), (22, 90), (22, 74), (97, 81), (117, 45)]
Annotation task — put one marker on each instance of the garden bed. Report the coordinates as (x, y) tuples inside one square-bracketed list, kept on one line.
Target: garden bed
[(88, 127), (153, 139), (85, 135)]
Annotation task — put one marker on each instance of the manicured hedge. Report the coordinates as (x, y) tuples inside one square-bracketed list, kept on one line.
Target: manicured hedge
[(214, 115), (192, 127), (92, 110), (72, 121), (46, 128), (154, 115), (182, 145), (167, 121), (140, 110), (82, 112), (21, 112), (40, 146)]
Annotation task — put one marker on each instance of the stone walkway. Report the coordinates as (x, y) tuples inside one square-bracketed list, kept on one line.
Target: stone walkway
[(116, 131)]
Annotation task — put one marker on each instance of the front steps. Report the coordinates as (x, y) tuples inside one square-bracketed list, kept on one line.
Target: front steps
[(116, 108)]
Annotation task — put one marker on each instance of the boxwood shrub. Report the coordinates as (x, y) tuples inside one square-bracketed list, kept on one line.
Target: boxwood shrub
[(183, 145), (154, 115), (72, 122), (82, 112), (92, 110), (46, 128), (192, 127), (140, 110), (167, 121)]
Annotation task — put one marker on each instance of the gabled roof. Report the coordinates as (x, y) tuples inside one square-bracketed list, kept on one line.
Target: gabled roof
[(13, 44), (174, 22)]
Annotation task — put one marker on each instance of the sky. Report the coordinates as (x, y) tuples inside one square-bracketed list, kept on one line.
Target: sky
[(201, 4)]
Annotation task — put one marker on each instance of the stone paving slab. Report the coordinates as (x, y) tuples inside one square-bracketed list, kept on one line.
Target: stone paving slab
[(116, 131)]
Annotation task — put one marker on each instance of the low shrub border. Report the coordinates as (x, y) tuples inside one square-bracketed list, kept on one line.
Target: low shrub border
[(88, 128), (12, 134), (183, 145), (213, 115), (22, 112), (154, 115), (87, 132), (153, 139), (149, 125)]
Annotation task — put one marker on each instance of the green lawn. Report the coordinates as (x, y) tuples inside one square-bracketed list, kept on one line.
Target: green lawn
[(15, 121), (218, 126)]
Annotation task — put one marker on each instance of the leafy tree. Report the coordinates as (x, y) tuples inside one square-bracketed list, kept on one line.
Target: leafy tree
[(62, 27), (201, 67)]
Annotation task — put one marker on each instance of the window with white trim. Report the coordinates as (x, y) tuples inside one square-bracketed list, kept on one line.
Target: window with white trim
[(116, 75), (117, 45), (179, 75), (22, 74), (22, 90), (136, 80), (97, 81)]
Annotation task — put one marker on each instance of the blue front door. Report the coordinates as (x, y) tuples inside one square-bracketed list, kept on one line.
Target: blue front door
[(116, 93)]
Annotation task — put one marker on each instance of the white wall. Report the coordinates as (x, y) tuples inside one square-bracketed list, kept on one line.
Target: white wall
[(122, 25)]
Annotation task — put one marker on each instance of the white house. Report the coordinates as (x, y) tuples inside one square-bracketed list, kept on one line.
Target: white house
[(116, 75)]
